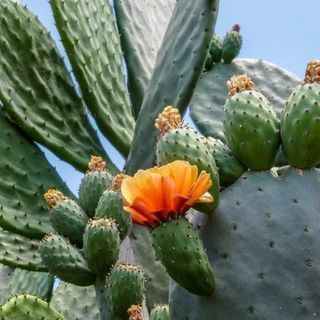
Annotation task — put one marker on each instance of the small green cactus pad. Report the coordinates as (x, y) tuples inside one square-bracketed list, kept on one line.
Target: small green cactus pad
[(19, 252), (211, 92), (231, 45), (92, 185), (160, 312), (101, 245), (252, 129), (26, 307), (69, 220), (263, 240), (157, 279), (89, 34), (75, 303), (142, 25), (181, 47), (215, 49), (229, 167), (111, 206), (185, 144), (300, 126), (177, 245), (39, 284), (36, 89), (125, 287), (65, 261), (25, 176)]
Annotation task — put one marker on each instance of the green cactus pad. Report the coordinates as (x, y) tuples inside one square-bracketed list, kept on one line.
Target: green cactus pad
[(75, 303), (185, 144), (39, 284), (263, 240), (300, 126), (25, 176), (229, 167), (252, 129), (178, 247), (6, 273), (211, 92), (19, 252), (215, 49), (101, 245), (160, 312), (209, 63), (26, 307), (125, 287), (92, 185), (111, 206), (181, 47), (69, 220), (90, 37), (231, 45), (142, 25), (36, 89), (65, 261)]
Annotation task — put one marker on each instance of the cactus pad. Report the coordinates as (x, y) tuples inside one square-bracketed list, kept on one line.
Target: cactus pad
[(263, 240)]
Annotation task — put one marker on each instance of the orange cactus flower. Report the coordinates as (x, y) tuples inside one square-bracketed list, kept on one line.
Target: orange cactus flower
[(159, 194)]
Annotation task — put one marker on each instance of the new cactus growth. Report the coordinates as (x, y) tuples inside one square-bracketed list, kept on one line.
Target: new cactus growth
[(158, 199), (67, 217), (231, 45), (214, 53), (160, 312), (251, 125), (110, 206), (96, 180), (101, 244), (179, 142), (125, 288), (300, 121)]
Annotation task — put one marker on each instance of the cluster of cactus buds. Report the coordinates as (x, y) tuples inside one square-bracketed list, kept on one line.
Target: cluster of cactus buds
[(226, 49)]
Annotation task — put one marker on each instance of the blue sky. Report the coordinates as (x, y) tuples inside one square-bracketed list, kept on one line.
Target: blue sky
[(285, 32)]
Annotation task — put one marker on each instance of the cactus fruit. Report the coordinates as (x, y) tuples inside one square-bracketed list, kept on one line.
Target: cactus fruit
[(67, 217), (125, 288), (110, 206), (160, 312), (135, 312), (95, 181), (251, 125), (158, 199), (229, 167), (179, 142), (26, 307), (178, 246), (231, 45), (65, 261), (101, 244), (300, 121)]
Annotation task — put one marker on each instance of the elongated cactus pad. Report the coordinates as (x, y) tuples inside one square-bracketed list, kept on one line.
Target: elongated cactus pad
[(39, 284), (125, 287), (263, 236), (27, 307), (181, 47), (65, 261), (74, 302), (142, 25), (36, 89), (25, 175), (20, 252), (210, 95), (97, 66)]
